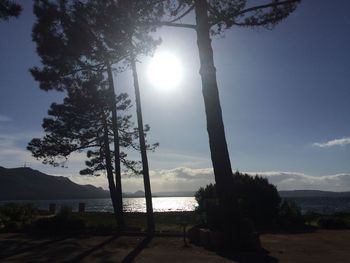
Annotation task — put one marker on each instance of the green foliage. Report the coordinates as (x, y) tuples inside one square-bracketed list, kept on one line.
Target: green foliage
[(251, 197), (290, 217), (339, 220), (15, 216), (333, 222)]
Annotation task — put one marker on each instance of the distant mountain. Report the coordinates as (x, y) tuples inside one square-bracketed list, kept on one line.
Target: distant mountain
[(313, 193), (175, 194), (162, 194), (29, 184)]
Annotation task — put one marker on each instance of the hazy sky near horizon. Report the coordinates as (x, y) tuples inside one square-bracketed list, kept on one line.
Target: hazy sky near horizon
[(285, 96)]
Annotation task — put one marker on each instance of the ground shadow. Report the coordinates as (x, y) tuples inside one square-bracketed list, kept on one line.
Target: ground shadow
[(137, 250), (83, 255), (261, 256), (25, 246)]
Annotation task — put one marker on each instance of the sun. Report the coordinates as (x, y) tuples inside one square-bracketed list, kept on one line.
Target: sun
[(165, 71)]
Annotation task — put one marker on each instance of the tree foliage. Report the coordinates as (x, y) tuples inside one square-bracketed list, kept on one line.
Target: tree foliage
[(8, 9), (77, 125), (252, 197)]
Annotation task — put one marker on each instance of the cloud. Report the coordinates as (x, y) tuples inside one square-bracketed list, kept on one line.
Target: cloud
[(296, 181), (191, 179), (335, 142), (4, 118)]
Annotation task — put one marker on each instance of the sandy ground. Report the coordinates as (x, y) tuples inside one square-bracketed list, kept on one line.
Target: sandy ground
[(320, 246)]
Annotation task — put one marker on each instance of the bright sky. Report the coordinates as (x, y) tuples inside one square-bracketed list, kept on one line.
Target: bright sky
[(285, 95)]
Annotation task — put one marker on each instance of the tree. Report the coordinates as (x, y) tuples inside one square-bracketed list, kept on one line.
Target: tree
[(83, 122), (138, 22), (214, 17), (73, 39), (9, 8), (93, 36)]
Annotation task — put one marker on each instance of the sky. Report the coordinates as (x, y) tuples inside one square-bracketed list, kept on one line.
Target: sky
[(285, 97)]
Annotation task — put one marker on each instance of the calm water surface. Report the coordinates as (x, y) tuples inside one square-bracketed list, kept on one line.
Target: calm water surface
[(160, 204), (168, 204)]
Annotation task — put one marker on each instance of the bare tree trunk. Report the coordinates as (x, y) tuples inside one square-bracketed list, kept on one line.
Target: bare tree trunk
[(113, 105), (215, 126), (145, 168), (109, 168)]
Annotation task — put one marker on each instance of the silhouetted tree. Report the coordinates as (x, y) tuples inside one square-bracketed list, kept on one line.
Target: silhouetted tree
[(214, 17), (9, 8), (83, 122), (139, 21), (72, 39)]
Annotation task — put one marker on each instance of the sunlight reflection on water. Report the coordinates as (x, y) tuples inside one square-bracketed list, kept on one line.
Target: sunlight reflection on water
[(160, 204)]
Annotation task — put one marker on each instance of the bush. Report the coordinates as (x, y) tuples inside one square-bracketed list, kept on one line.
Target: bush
[(15, 216), (64, 222), (332, 223), (290, 217), (251, 197)]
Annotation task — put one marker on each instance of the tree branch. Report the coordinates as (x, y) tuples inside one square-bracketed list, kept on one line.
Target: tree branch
[(190, 26), (255, 8), (183, 15)]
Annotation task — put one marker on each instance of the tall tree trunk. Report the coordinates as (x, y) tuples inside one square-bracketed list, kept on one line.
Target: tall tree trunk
[(215, 126), (109, 168), (145, 168), (118, 183)]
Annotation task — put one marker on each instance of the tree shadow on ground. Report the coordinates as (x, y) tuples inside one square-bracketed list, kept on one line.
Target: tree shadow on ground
[(261, 256), (137, 250), (13, 247), (86, 253)]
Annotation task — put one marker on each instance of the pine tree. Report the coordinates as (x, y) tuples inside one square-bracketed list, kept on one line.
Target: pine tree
[(83, 123), (74, 38), (9, 8), (214, 17)]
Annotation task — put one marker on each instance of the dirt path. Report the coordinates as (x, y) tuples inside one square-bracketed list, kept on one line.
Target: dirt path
[(321, 246)]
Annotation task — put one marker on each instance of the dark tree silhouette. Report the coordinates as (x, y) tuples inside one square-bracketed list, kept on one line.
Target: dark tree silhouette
[(138, 21), (83, 122), (8, 9), (74, 38), (214, 17)]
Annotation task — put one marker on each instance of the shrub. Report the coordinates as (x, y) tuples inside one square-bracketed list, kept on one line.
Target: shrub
[(15, 216), (290, 217), (252, 197), (332, 223), (64, 222)]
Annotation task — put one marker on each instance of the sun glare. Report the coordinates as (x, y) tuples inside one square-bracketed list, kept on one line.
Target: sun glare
[(165, 71)]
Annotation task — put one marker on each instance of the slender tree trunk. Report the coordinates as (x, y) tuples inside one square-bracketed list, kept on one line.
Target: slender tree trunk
[(109, 168), (215, 126), (118, 183), (145, 168)]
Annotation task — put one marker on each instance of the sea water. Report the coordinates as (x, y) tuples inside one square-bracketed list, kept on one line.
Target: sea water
[(177, 204)]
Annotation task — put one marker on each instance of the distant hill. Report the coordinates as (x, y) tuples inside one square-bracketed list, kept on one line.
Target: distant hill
[(313, 193), (29, 184), (140, 193)]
